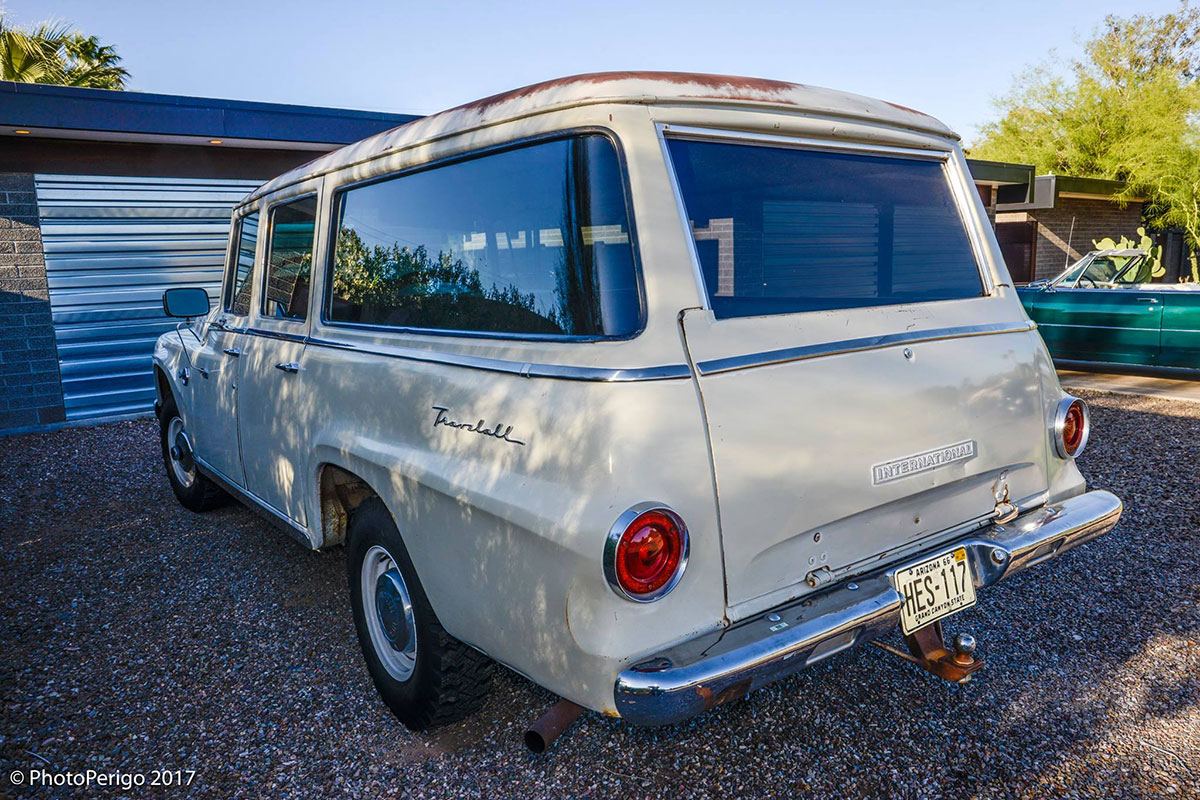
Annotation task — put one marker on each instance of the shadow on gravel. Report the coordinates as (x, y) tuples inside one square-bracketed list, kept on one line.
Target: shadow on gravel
[(135, 635)]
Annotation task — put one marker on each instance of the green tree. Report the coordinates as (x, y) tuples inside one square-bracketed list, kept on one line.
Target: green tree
[(1128, 110), (52, 52)]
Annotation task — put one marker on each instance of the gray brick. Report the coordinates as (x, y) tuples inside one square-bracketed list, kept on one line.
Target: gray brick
[(22, 232), (7, 247), (39, 340), (52, 414), (17, 210), (31, 246), (19, 419), (21, 403), (42, 364), (16, 181)]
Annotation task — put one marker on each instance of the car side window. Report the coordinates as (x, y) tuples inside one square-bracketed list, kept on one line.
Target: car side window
[(237, 283), (531, 241), (1102, 270), (289, 259), (1138, 273)]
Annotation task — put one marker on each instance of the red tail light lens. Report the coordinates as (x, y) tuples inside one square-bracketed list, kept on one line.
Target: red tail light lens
[(646, 552), (1071, 427)]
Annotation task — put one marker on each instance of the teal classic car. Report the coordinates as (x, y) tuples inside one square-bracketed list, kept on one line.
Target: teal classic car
[(1106, 309)]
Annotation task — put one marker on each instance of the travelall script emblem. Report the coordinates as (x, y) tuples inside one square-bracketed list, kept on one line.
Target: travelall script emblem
[(922, 462), (501, 431)]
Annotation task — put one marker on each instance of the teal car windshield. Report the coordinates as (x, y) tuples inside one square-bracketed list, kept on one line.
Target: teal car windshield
[(1096, 269)]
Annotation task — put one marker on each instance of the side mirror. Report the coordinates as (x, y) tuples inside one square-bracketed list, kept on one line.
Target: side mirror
[(185, 302)]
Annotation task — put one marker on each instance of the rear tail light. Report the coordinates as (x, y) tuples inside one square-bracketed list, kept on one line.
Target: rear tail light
[(646, 552), (1072, 425)]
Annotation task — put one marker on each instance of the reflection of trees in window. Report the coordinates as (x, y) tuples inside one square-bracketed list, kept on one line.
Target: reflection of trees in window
[(398, 285), (578, 278)]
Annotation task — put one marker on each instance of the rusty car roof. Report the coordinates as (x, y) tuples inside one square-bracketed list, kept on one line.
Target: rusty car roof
[(667, 88)]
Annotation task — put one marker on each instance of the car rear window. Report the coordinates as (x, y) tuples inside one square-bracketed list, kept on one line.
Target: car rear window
[(533, 241), (781, 230)]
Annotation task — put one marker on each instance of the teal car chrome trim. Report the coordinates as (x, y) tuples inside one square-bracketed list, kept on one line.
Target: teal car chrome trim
[(1096, 327), (785, 355)]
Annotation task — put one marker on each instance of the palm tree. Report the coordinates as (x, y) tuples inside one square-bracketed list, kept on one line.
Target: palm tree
[(90, 63), (52, 52)]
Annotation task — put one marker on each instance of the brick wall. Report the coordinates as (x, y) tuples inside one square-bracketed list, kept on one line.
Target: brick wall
[(1093, 220), (30, 387)]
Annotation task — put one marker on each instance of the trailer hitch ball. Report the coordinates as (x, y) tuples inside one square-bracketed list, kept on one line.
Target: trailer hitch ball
[(964, 648)]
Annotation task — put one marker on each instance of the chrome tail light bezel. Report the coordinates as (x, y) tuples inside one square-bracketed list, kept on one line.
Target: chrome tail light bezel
[(617, 531), (1060, 424)]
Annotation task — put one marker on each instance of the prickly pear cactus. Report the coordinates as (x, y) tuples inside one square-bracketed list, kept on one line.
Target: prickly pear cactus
[(1144, 242)]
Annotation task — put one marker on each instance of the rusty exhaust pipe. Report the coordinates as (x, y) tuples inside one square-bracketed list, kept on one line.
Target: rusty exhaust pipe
[(551, 725)]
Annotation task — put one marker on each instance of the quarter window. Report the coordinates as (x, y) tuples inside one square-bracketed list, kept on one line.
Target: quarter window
[(237, 285), (289, 262), (529, 241), (781, 230)]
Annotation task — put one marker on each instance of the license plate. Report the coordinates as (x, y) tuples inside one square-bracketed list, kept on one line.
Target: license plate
[(935, 589)]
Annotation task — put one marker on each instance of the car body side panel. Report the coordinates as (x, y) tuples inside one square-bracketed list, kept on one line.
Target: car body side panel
[(507, 545)]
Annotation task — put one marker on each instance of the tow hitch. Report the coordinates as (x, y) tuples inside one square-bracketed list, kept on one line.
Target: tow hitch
[(927, 649)]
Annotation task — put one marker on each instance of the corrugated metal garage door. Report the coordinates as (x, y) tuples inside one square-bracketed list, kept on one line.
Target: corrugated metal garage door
[(112, 246)]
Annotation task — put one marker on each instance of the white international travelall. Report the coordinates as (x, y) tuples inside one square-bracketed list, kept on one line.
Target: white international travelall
[(652, 387)]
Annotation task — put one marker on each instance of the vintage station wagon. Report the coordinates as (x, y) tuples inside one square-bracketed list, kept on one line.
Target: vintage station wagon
[(651, 387)]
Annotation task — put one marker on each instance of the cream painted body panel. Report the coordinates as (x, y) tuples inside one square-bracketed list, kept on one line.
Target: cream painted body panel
[(507, 538)]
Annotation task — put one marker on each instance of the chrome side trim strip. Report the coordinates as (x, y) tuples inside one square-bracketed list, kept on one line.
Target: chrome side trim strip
[(287, 337), (1150, 370), (723, 666), (1095, 327), (785, 355), (524, 369), (254, 503)]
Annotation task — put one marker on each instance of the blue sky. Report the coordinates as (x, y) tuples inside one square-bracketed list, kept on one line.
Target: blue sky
[(420, 57)]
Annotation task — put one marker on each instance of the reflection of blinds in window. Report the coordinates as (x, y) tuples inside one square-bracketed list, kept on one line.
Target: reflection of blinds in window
[(815, 249), (925, 248)]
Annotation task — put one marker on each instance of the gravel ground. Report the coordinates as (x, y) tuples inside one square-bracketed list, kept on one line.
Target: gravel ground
[(136, 635)]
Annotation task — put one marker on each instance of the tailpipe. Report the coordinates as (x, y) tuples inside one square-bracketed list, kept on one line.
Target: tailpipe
[(551, 725)]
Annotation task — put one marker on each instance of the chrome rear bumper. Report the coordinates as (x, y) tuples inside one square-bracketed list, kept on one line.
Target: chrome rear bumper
[(713, 669)]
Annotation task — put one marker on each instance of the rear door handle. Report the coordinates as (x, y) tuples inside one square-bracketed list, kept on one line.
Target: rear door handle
[(1147, 299), (233, 351), (289, 367)]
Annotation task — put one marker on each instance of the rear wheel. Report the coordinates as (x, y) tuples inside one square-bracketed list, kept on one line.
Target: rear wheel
[(425, 676), (194, 490)]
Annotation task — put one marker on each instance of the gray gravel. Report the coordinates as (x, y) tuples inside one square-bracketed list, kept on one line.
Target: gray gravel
[(136, 635)]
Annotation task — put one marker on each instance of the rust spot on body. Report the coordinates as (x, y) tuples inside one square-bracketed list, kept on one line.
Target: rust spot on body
[(727, 87)]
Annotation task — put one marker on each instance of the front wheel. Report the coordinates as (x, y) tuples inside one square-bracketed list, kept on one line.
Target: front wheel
[(194, 490), (424, 675)]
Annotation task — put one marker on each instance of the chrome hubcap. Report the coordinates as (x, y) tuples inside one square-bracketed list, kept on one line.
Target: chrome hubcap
[(388, 609), (183, 463)]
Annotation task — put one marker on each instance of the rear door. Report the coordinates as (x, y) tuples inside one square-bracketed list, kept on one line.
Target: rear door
[(864, 392), (1119, 325), (1180, 328), (273, 412)]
